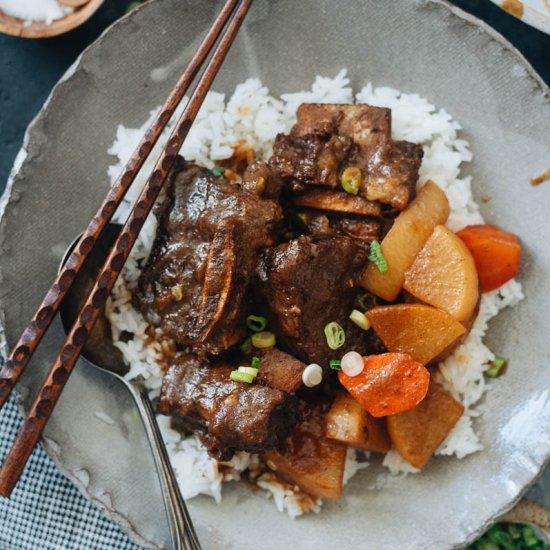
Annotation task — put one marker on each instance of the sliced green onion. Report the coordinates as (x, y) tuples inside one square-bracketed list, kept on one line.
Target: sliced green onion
[(246, 345), (249, 370), (352, 364), (302, 216), (263, 340), (238, 376), (377, 256), (255, 362), (361, 300), (360, 319), (260, 185), (496, 366), (351, 180), (335, 335), (218, 171), (367, 301), (335, 364), (312, 375), (177, 292), (256, 323)]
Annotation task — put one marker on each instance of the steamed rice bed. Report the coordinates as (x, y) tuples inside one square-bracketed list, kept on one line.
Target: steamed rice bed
[(253, 115)]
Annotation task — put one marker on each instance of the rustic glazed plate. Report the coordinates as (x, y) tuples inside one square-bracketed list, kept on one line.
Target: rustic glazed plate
[(533, 12), (423, 46)]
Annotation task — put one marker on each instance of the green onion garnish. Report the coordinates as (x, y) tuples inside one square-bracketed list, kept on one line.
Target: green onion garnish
[(360, 319), (249, 370), (335, 335), (302, 216), (334, 364), (263, 340), (255, 362), (362, 301), (256, 323), (238, 376), (351, 180), (496, 366), (377, 256), (218, 171), (246, 345)]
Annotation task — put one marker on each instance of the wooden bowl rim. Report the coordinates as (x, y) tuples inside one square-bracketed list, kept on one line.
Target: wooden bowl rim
[(40, 29)]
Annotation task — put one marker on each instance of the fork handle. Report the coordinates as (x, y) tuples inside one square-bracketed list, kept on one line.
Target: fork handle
[(181, 527)]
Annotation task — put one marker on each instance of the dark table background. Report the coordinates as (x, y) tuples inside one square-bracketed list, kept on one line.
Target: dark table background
[(30, 68)]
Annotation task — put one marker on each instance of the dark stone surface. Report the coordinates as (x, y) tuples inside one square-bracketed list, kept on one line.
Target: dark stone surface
[(30, 68), (533, 44)]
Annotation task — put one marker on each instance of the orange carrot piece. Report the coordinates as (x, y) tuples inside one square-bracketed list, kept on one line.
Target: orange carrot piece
[(390, 383), (496, 254)]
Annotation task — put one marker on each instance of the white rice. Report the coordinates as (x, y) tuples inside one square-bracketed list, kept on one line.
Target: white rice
[(35, 10), (252, 114)]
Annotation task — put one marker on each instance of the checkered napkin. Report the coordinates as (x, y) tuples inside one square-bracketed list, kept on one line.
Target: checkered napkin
[(45, 511)]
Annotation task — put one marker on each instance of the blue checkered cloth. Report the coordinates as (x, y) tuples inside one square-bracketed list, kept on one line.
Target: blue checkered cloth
[(45, 511)]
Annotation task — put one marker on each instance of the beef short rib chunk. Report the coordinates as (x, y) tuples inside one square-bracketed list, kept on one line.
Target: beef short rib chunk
[(368, 127), (195, 282), (262, 179), (362, 230), (327, 138), (306, 284), (278, 369), (311, 159), (392, 174), (227, 416)]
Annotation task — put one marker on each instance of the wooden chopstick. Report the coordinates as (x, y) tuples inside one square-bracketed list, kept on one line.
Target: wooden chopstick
[(39, 324), (63, 364)]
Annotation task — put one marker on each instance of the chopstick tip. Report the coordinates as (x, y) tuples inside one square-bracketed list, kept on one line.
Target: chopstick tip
[(6, 488)]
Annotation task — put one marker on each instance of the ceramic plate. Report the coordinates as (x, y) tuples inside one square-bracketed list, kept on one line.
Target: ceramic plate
[(533, 12), (424, 46)]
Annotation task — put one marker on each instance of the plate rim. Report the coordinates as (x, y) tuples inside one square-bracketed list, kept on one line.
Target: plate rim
[(111, 513)]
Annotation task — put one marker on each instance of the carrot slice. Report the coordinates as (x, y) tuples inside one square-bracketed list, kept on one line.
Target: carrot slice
[(390, 383), (496, 254)]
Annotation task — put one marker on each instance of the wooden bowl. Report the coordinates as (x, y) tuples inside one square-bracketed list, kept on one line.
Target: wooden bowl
[(40, 29)]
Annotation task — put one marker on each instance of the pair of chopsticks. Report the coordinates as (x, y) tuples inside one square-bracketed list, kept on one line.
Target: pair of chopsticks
[(230, 17)]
